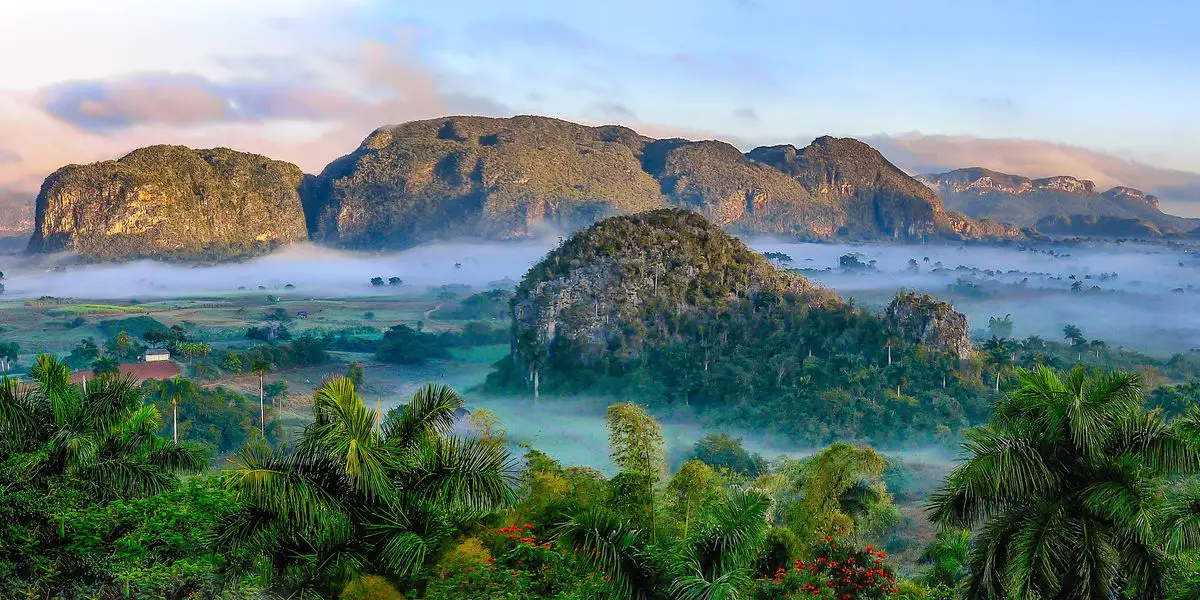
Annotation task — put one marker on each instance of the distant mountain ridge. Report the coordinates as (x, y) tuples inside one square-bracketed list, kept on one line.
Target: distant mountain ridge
[(506, 178), (1060, 204), (16, 212), (480, 177)]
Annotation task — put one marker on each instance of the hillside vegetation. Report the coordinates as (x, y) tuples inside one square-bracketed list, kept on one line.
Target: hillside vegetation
[(668, 309)]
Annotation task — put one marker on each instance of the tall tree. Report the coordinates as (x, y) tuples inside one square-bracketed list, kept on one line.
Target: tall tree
[(354, 500), (177, 389), (1067, 483), (636, 446), (260, 367), (1074, 334)]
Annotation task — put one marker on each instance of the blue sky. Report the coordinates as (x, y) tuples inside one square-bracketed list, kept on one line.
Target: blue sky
[(1102, 89)]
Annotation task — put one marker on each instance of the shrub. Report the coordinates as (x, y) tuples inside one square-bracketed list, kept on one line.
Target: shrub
[(838, 571)]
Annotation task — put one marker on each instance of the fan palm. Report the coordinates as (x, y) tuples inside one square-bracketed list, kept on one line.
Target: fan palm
[(1068, 481), (177, 389), (714, 562), (354, 499), (102, 441)]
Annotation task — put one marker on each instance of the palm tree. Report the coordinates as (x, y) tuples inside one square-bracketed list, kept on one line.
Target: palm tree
[(177, 389), (947, 558), (1068, 485), (260, 367), (1073, 334), (715, 561), (102, 441), (353, 500), (998, 353)]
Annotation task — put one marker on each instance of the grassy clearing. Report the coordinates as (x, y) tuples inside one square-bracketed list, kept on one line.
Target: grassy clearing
[(95, 309)]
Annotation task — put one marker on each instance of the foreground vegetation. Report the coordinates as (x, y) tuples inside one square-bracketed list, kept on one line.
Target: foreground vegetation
[(1074, 489)]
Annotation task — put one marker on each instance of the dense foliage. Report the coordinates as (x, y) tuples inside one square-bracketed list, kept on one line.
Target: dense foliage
[(1069, 483), (222, 418), (84, 482), (1073, 490), (360, 496)]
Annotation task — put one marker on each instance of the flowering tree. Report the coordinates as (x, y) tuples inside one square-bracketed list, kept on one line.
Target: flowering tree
[(839, 571)]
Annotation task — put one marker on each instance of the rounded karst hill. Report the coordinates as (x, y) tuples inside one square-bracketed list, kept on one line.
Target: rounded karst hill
[(171, 202), (628, 281), (478, 177)]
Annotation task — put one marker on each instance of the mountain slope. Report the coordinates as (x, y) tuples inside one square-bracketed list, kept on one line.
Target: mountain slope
[(508, 178), (171, 202), (983, 193)]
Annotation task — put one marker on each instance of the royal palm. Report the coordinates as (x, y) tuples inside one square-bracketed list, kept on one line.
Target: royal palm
[(1067, 485)]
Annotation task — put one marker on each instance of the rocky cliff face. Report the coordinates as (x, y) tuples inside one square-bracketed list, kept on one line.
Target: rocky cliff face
[(986, 194), (510, 178), (922, 319), (171, 202), (876, 197), (607, 278)]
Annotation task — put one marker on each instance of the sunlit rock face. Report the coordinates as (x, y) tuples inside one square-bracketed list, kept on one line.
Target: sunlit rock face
[(171, 202)]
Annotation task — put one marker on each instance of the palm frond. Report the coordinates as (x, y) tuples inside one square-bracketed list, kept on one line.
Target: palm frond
[(430, 413), (1002, 468), (344, 431), (693, 585), (272, 483), (734, 533), (21, 424), (1182, 518), (1038, 551), (52, 376), (125, 477), (471, 473), (612, 546), (177, 458)]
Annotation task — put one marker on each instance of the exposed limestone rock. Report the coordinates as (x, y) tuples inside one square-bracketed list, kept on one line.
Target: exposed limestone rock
[(171, 202), (922, 319)]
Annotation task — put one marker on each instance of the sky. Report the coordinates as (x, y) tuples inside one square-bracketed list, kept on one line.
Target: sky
[(1101, 89)]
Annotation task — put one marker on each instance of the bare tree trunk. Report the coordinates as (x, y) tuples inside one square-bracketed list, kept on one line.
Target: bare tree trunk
[(889, 348), (262, 411), (175, 420), (997, 381), (536, 385)]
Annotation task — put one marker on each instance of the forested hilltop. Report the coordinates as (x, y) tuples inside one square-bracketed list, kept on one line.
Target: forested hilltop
[(667, 309)]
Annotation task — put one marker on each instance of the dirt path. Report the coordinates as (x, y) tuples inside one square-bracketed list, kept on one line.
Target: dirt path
[(430, 312)]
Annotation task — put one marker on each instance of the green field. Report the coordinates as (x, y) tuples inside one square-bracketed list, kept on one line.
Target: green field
[(94, 309)]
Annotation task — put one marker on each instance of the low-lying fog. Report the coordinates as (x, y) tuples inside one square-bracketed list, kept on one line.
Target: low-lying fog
[(1138, 295)]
